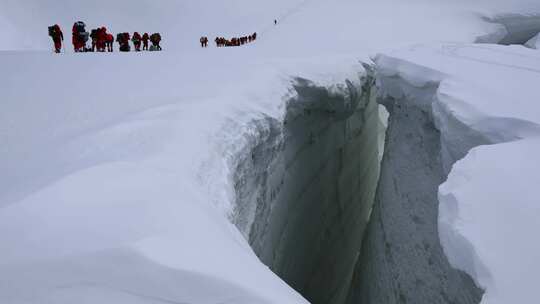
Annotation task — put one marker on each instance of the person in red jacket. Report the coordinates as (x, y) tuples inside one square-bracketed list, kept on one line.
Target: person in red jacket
[(101, 39), (109, 42), (78, 42), (145, 39), (136, 39), (57, 36)]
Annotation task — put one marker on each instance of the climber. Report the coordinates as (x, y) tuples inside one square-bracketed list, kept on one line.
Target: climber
[(57, 36), (204, 42), (101, 39), (123, 41), (145, 39), (109, 42), (155, 39), (275, 21), (136, 39), (80, 36), (94, 37)]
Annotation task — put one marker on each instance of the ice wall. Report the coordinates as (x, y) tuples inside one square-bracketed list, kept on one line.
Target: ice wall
[(402, 260), (512, 28), (305, 188)]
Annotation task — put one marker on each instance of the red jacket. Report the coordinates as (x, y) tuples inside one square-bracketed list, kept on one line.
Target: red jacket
[(102, 34), (58, 35)]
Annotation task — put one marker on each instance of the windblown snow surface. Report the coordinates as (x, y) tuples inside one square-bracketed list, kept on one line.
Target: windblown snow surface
[(118, 172)]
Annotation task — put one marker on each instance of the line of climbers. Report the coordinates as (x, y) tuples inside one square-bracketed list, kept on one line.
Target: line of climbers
[(103, 41), (236, 41)]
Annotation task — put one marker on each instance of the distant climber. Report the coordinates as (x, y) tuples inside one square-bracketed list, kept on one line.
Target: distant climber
[(109, 42), (220, 41), (145, 39), (204, 41), (123, 41), (136, 39), (94, 37), (275, 21), (80, 36), (101, 42), (155, 39), (57, 36)]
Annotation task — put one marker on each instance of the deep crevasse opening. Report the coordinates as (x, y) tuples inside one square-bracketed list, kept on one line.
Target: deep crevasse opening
[(305, 189), (402, 260)]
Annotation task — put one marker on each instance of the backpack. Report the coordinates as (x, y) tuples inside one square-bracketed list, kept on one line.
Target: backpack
[(155, 38), (94, 34), (80, 26), (125, 48), (84, 36), (52, 31)]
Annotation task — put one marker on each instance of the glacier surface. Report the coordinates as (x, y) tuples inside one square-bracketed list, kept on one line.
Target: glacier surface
[(120, 173)]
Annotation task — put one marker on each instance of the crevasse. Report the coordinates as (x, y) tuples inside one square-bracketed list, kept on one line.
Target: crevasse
[(305, 188)]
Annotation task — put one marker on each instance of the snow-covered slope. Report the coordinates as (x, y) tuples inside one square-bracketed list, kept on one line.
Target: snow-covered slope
[(115, 169), (103, 190)]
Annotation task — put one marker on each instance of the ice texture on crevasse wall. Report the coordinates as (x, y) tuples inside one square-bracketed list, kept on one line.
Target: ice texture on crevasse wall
[(305, 187), (402, 260)]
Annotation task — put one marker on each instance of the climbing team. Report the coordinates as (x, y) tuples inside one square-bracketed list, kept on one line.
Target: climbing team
[(101, 40), (236, 41)]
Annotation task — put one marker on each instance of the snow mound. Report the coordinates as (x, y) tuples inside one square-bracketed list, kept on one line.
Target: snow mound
[(489, 219)]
